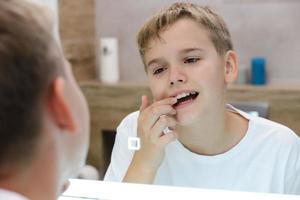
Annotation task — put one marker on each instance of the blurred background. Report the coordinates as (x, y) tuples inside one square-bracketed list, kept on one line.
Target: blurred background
[(99, 39)]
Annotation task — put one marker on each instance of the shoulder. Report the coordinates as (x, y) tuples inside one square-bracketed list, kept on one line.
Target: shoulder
[(267, 130), (130, 119), (277, 135), (270, 135), (274, 128), (276, 139), (128, 126)]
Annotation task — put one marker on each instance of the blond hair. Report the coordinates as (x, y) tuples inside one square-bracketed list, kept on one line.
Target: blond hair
[(203, 15)]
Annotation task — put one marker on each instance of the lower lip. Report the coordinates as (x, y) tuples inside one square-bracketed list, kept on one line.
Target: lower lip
[(185, 103)]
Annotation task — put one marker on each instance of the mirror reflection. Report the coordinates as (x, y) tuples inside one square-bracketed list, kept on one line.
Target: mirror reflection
[(193, 96)]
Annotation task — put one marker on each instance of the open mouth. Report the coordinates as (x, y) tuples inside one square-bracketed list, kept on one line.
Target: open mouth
[(185, 97)]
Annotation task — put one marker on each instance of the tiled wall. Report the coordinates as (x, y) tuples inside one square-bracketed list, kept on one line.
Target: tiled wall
[(267, 28)]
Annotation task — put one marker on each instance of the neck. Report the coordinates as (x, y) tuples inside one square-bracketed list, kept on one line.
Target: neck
[(213, 135), (35, 182)]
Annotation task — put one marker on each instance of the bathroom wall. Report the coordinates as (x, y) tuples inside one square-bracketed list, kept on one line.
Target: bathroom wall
[(77, 32), (267, 28)]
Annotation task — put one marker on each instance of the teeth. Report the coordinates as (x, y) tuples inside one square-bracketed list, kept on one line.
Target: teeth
[(180, 96), (184, 95)]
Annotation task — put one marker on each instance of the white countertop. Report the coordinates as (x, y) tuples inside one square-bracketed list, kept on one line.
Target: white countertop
[(100, 190)]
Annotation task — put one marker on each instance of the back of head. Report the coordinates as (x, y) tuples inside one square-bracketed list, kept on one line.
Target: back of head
[(204, 16), (29, 60)]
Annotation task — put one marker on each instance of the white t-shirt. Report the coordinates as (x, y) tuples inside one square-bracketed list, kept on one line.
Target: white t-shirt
[(267, 159), (10, 195)]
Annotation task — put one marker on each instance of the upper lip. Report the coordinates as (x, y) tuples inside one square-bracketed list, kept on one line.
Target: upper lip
[(174, 94)]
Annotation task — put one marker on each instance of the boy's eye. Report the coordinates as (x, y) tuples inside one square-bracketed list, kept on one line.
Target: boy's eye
[(158, 70), (191, 60)]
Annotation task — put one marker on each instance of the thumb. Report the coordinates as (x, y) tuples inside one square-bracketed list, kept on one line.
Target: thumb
[(144, 102)]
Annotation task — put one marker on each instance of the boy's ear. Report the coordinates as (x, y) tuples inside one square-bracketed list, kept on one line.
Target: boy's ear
[(58, 107), (231, 68)]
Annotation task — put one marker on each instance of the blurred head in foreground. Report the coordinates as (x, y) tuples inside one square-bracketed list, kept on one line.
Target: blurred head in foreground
[(44, 120)]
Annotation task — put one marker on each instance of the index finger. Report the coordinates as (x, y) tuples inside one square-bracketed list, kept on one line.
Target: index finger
[(166, 101)]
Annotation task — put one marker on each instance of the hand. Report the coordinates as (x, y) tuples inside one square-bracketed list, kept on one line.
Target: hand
[(152, 121)]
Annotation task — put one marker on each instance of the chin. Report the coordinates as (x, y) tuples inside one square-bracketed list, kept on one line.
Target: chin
[(185, 119)]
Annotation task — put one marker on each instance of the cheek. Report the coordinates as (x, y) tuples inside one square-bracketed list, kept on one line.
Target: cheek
[(212, 74)]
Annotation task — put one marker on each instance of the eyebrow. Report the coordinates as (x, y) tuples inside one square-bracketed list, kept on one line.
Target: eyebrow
[(191, 49), (156, 60)]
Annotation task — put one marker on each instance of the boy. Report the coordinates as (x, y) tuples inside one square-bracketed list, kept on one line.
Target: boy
[(189, 60), (44, 121)]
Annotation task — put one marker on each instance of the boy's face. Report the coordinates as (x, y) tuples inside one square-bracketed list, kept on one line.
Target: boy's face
[(184, 62)]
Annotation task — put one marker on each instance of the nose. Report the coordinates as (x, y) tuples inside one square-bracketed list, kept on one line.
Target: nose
[(176, 76)]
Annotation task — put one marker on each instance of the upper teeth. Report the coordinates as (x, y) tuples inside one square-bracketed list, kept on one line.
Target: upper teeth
[(184, 94)]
